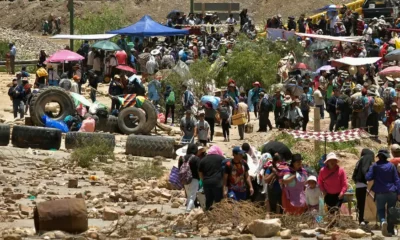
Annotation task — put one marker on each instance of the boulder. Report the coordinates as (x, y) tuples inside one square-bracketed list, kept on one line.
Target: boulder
[(243, 237), (149, 238), (181, 235), (175, 205), (378, 237), (308, 233), (110, 214), (286, 234), (25, 210), (12, 237), (265, 228), (204, 232), (356, 233)]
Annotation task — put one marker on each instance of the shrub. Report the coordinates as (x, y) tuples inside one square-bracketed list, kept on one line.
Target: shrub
[(88, 151), (145, 171)]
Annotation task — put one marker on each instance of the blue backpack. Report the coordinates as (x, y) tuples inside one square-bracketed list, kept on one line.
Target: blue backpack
[(190, 99)]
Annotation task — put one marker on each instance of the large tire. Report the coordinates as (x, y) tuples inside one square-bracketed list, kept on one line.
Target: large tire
[(151, 117), (131, 120), (73, 139), (36, 137), (47, 95), (150, 146), (4, 134), (112, 125)]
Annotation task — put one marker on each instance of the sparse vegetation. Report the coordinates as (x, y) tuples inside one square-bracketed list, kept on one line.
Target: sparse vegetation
[(89, 151), (145, 171), (4, 49)]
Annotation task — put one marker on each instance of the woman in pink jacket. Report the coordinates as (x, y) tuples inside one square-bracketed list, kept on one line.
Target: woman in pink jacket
[(332, 181)]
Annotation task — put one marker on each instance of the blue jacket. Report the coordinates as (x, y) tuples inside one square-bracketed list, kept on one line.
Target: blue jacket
[(385, 176)]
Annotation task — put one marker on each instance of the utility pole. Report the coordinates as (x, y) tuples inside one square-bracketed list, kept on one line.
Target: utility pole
[(192, 6), (71, 22)]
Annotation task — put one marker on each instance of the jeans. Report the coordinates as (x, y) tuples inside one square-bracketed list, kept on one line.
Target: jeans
[(361, 194), (237, 196), (241, 131), (213, 194), (93, 95), (263, 121), (18, 106), (169, 108), (115, 104), (306, 118), (373, 123), (384, 201), (211, 122), (225, 128), (191, 191), (255, 108), (321, 110), (278, 112), (333, 117)]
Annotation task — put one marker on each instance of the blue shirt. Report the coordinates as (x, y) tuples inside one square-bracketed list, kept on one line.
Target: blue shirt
[(385, 176), (275, 186)]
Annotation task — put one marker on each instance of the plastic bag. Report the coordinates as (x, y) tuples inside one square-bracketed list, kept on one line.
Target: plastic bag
[(161, 118), (51, 123), (88, 125), (213, 100), (81, 110)]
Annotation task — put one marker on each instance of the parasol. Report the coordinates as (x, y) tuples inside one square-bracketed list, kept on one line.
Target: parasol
[(393, 71), (325, 68), (393, 55), (301, 66), (106, 45), (64, 55), (294, 89), (126, 68)]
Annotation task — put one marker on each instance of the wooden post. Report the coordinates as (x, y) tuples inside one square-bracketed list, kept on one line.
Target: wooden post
[(317, 126)]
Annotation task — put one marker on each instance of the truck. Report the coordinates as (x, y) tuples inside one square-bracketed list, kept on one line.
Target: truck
[(377, 8)]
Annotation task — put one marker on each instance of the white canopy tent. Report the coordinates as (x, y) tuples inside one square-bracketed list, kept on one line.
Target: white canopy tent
[(84, 37), (331, 38), (354, 61)]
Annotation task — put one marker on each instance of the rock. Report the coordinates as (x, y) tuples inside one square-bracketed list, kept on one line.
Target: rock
[(244, 237), (286, 234), (181, 235), (110, 214), (195, 214), (303, 226), (378, 237), (73, 183), (356, 233), (149, 238), (264, 228), (175, 205), (25, 210), (308, 233), (12, 237), (59, 234), (224, 233), (49, 235), (204, 232)]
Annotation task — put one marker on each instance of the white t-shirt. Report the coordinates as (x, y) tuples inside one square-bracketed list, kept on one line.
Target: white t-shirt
[(312, 196), (90, 58), (318, 98), (202, 129), (74, 87), (97, 64)]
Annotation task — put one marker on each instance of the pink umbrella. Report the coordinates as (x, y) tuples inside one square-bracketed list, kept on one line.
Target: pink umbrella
[(301, 66), (64, 55), (126, 68), (393, 71)]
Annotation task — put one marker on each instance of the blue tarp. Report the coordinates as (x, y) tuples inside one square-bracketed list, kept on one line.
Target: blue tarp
[(147, 27)]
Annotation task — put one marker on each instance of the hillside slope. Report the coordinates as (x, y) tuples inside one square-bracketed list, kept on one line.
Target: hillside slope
[(29, 15)]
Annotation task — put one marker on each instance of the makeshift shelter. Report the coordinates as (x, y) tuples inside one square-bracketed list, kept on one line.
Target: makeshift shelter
[(147, 27), (354, 61)]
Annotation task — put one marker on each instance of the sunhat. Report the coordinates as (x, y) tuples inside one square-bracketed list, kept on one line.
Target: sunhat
[(331, 156)]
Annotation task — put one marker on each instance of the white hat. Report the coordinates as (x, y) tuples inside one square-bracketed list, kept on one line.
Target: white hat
[(182, 151), (155, 52), (312, 178), (331, 156), (201, 112)]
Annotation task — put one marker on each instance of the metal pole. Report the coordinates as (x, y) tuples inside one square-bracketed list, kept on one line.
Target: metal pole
[(71, 23), (192, 6)]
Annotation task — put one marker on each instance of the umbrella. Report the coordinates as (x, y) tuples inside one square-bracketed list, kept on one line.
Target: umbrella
[(80, 99), (64, 55), (393, 55), (106, 45), (173, 13), (301, 66), (393, 71), (277, 147), (320, 44), (294, 89), (126, 68), (325, 68)]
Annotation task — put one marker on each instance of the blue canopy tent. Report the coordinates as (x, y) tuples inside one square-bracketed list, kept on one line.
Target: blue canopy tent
[(147, 27)]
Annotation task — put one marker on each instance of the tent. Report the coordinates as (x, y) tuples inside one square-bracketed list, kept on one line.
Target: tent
[(147, 27)]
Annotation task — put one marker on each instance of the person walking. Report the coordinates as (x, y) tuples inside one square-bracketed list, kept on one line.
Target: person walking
[(332, 108), (264, 109), (332, 181), (278, 106), (93, 83), (386, 188), (13, 53), (360, 171), (225, 113), (305, 107), (256, 96), (210, 174), (187, 126), (169, 98), (16, 93), (202, 129), (319, 100), (210, 118), (243, 109)]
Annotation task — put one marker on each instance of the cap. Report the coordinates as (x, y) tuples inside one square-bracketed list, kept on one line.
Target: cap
[(394, 104), (331, 156), (395, 148), (237, 150), (383, 152), (312, 178), (256, 84), (76, 78)]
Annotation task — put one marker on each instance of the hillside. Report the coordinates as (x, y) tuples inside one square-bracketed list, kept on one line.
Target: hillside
[(28, 15)]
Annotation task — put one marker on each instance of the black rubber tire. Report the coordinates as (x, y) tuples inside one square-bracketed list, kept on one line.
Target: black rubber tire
[(112, 125), (151, 117), (125, 122), (73, 139), (150, 146), (36, 137), (51, 94), (4, 134)]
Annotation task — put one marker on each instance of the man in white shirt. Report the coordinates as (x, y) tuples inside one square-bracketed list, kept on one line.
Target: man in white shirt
[(319, 100), (332, 23), (231, 19), (322, 79), (91, 58), (74, 84)]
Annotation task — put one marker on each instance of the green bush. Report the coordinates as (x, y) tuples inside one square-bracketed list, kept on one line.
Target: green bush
[(88, 151), (145, 171)]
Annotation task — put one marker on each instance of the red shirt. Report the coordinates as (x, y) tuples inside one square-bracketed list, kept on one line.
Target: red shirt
[(121, 57)]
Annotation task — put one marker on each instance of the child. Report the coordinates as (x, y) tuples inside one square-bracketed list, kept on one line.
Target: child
[(312, 193), (202, 130)]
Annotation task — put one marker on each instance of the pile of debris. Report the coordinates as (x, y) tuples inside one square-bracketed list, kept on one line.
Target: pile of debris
[(28, 45)]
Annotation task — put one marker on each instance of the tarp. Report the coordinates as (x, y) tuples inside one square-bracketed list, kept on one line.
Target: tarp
[(273, 34), (341, 136), (147, 27), (331, 38), (354, 61), (84, 37)]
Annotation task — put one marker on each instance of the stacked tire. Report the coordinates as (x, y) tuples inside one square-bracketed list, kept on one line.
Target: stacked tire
[(36, 137), (76, 139), (132, 120), (150, 146)]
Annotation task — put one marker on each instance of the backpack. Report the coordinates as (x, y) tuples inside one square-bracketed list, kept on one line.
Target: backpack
[(265, 105), (379, 105), (224, 113), (185, 173), (387, 97), (171, 98), (358, 105), (84, 78), (190, 99)]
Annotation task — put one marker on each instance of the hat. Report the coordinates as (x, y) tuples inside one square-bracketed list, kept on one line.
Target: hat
[(231, 85), (237, 150), (201, 149), (189, 111), (181, 151), (201, 112), (395, 148), (331, 156), (394, 104), (117, 76), (76, 78), (384, 153), (155, 52), (312, 178), (256, 84), (279, 16)]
